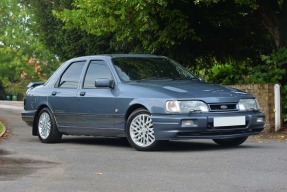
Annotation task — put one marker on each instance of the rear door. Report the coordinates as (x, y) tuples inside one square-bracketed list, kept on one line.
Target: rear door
[(63, 97)]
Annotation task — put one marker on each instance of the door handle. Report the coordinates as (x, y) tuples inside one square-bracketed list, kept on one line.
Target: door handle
[(82, 93), (54, 93)]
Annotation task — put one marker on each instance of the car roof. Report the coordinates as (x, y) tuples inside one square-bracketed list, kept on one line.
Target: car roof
[(118, 56)]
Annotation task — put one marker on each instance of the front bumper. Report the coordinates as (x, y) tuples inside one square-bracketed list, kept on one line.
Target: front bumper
[(168, 127)]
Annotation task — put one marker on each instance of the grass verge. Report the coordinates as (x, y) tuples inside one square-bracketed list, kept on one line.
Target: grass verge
[(2, 129)]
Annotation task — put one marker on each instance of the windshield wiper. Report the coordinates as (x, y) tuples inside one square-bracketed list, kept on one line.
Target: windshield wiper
[(185, 78), (156, 78)]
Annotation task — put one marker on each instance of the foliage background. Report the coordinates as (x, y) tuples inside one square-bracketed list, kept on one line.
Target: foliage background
[(222, 41)]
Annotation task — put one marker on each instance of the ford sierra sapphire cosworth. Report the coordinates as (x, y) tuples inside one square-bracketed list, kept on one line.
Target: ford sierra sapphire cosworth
[(148, 99)]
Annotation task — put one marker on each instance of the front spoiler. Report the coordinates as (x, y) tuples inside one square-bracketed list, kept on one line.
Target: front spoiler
[(168, 127)]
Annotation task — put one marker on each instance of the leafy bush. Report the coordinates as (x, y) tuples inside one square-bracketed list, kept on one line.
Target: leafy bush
[(284, 102), (274, 71), (228, 74)]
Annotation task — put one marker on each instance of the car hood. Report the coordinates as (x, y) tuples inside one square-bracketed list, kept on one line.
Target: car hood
[(193, 89)]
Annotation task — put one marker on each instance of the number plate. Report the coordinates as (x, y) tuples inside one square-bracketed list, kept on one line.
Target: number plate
[(228, 121)]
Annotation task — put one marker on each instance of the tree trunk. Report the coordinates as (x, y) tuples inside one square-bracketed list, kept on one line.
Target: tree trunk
[(272, 12)]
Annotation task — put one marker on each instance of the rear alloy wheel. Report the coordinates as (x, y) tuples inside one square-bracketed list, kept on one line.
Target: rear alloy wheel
[(47, 128), (140, 131), (233, 142)]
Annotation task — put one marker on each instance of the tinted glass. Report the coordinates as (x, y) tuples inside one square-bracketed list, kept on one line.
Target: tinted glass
[(71, 77), (139, 68), (96, 70)]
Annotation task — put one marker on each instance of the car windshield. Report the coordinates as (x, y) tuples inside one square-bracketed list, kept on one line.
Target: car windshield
[(138, 68)]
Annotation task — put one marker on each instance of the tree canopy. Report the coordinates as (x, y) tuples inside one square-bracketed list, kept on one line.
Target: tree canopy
[(197, 33), (183, 30), (180, 29), (23, 58), (243, 35)]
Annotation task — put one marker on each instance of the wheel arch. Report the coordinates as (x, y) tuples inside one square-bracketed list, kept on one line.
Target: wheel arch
[(34, 130), (132, 109)]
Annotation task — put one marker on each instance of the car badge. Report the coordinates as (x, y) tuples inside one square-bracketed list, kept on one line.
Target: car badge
[(223, 107)]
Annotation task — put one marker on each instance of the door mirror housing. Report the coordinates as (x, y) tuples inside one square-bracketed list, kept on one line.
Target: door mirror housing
[(202, 80), (105, 83)]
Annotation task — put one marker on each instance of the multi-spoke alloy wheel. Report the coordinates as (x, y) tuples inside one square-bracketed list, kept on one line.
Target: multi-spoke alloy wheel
[(140, 131), (47, 128), (44, 125)]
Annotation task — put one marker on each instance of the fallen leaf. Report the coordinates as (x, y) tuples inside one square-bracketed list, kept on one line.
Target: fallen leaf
[(99, 173)]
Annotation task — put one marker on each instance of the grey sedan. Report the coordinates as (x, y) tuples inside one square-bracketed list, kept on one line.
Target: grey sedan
[(148, 99)]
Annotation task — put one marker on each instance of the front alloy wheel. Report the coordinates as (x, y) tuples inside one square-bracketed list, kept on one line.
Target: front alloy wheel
[(140, 131)]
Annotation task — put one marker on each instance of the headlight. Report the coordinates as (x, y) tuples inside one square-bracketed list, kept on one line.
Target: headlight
[(186, 106), (248, 105)]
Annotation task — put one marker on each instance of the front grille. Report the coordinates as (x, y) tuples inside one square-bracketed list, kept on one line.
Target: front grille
[(223, 107)]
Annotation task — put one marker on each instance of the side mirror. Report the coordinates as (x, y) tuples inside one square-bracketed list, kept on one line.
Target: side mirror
[(202, 80), (106, 83)]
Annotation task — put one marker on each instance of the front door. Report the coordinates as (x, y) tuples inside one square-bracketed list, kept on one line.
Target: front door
[(96, 105)]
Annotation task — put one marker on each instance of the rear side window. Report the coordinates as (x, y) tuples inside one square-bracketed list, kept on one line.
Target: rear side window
[(96, 70), (71, 77)]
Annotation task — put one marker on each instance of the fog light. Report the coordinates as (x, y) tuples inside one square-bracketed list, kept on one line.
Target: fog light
[(189, 123), (260, 120)]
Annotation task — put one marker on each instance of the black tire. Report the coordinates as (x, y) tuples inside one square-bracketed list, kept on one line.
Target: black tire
[(145, 132), (47, 127), (233, 142)]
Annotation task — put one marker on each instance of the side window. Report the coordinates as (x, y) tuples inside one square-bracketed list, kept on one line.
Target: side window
[(96, 70), (71, 77)]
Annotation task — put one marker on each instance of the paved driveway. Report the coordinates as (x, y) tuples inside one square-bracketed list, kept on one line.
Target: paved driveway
[(102, 164)]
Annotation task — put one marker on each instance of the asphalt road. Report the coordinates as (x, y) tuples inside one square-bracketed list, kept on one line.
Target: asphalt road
[(107, 164)]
